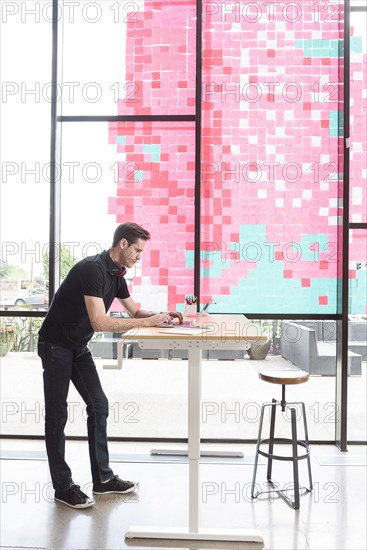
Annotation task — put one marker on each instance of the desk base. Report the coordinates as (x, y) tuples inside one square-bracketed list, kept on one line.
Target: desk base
[(178, 452), (181, 533)]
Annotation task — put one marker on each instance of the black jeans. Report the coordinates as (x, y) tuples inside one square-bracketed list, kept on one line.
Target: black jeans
[(60, 366)]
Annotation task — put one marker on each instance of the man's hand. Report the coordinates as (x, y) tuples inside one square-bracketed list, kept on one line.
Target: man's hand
[(176, 315), (156, 319), (163, 317)]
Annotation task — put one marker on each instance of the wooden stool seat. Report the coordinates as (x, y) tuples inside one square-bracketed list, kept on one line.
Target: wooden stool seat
[(284, 376)]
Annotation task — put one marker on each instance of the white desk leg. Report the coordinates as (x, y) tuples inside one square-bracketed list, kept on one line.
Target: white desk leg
[(194, 395), (196, 359), (120, 353)]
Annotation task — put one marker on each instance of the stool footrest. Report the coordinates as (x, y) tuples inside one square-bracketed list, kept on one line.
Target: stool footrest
[(283, 440)]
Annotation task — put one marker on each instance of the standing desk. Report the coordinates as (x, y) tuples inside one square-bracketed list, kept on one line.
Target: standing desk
[(224, 332)]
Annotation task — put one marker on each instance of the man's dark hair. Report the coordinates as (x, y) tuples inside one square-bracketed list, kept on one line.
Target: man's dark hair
[(131, 232)]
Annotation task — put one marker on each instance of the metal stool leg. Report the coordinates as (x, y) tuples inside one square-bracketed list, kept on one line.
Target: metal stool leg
[(257, 452), (271, 438), (308, 448), (295, 458)]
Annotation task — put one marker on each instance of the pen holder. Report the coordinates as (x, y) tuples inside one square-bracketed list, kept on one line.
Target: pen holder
[(190, 310)]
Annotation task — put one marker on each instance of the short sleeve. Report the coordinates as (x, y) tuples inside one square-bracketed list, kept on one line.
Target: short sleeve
[(123, 291), (92, 279)]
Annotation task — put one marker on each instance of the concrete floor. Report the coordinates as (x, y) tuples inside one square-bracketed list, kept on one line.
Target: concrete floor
[(149, 398), (331, 517)]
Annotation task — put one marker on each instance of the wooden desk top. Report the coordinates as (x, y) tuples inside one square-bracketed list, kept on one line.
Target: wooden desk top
[(221, 327)]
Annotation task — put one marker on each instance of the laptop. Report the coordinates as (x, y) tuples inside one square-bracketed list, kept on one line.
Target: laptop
[(186, 324)]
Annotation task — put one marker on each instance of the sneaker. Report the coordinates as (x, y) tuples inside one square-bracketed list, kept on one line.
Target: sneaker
[(114, 485), (74, 497)]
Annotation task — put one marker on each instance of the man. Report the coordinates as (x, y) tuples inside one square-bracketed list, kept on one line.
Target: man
[(78, 309)]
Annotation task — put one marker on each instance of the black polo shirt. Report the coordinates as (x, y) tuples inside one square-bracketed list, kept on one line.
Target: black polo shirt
[(67, 323)]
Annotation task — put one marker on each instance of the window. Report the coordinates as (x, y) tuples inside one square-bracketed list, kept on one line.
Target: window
[(258, 162)]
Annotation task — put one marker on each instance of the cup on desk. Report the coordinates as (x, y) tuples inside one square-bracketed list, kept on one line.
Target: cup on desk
[(190, 310)]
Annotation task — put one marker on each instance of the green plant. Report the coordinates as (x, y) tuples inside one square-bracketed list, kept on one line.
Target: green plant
[(67, 260), (7, 335), (23, 335)]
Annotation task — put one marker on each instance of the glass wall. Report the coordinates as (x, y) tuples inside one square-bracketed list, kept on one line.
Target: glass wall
[(137, 171), (25, 157), (148, 397), (143, 62), (357, 400), (269, 181), (272, 128), (358, 103)]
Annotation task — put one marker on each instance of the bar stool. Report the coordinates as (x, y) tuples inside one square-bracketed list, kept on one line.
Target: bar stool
[(283, 377)]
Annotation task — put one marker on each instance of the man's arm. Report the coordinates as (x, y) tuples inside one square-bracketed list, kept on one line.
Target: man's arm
[(136, 313), (132, 309), (101, 322)]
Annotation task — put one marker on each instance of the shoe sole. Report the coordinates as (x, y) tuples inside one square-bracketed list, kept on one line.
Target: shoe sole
[(131, 490), (77, 506)]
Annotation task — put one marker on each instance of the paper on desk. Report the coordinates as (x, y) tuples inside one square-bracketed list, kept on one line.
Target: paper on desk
[(184, 330)]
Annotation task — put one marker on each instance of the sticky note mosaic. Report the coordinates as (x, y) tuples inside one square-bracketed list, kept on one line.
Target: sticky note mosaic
[(358, 271), (358, 172), (160, 59), (272, 105), (358, 116), (271, 172), (156, 189)]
